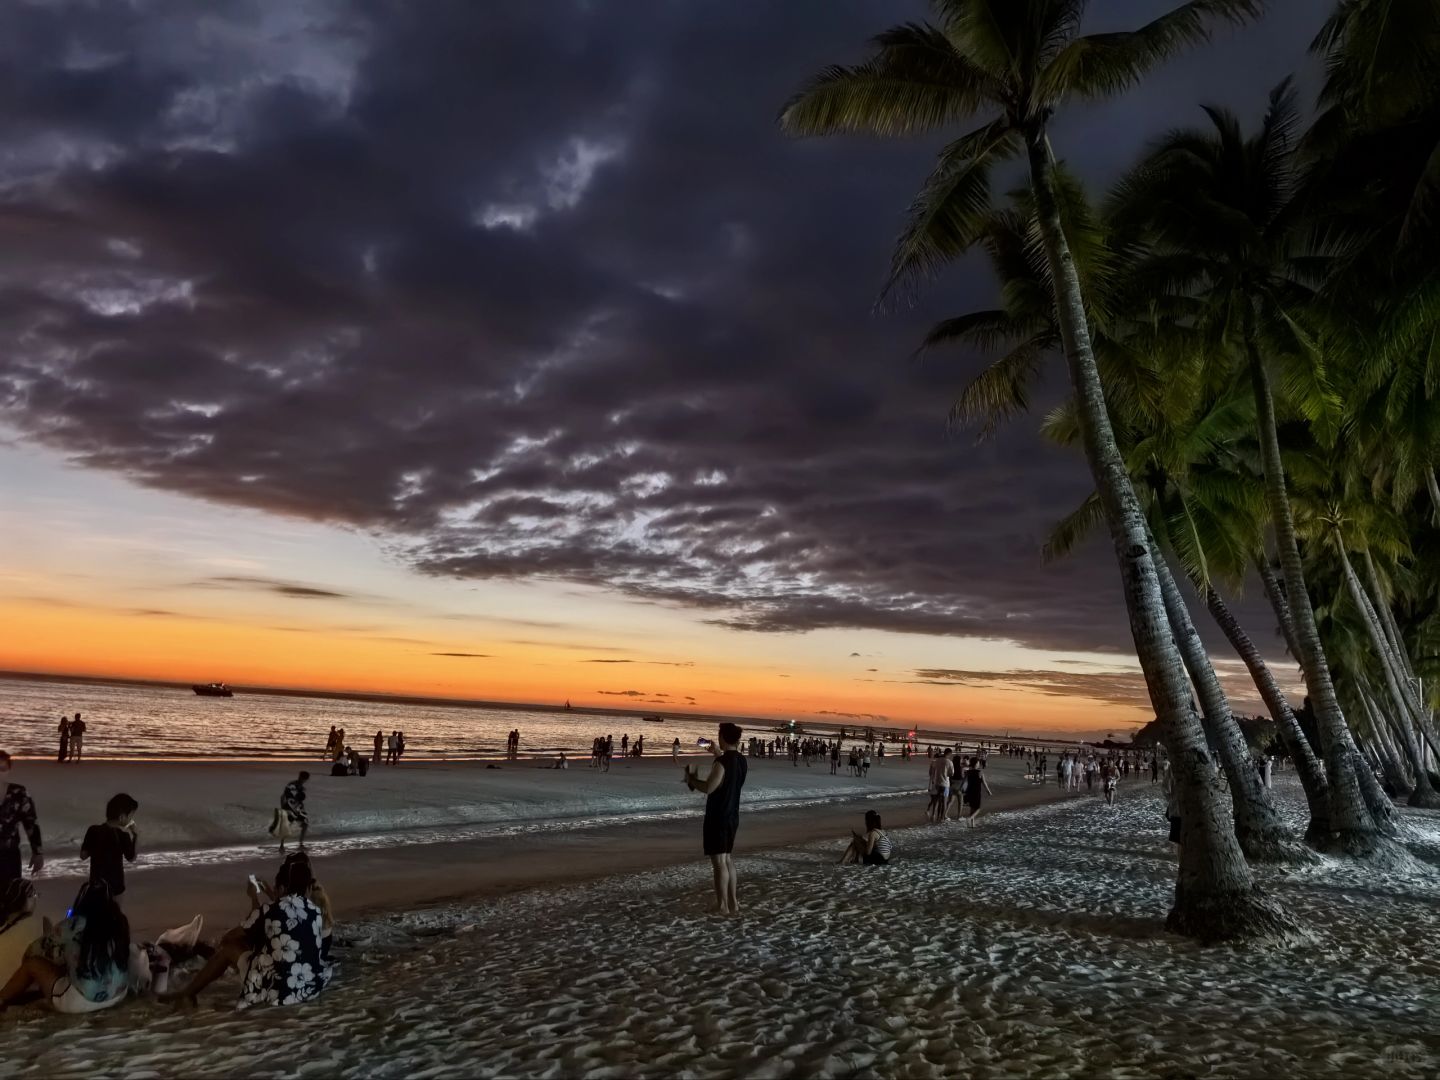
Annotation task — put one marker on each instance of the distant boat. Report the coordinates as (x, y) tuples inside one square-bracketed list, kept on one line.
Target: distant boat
[(652, 719), (213, 689)]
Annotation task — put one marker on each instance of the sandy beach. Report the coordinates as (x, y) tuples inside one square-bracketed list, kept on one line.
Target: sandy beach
[(1031, 945), (425, 832)]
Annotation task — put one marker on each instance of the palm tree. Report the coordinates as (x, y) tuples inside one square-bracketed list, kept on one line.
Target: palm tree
[(1017, 62), (1226, 229)]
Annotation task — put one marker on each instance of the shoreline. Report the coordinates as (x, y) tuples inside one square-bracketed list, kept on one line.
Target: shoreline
[(770, 725), (521, 829)]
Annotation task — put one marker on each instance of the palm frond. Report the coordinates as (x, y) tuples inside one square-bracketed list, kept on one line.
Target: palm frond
[(953, 210), (1002, 390), (914, 83), (984, 330), (1101, 65), (1073, 528)]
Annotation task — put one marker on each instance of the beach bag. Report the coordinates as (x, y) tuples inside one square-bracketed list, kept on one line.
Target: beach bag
[(181, 941), (281, 826)]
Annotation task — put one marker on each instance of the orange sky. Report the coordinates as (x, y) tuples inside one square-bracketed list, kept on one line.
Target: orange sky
[(105, 578)]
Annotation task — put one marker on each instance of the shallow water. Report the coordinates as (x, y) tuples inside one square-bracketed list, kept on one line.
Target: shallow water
[(158, 721)]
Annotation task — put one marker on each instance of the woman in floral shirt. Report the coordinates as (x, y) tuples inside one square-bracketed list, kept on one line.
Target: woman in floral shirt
[(285, 941)]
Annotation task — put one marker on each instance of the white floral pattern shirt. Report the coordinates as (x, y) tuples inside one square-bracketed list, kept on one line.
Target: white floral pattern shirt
[(288, 961)]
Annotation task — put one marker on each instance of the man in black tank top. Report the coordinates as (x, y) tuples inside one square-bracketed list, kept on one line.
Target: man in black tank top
[(722, 812)]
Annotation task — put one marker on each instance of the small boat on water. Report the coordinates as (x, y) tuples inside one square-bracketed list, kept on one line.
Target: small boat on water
[(652, 719), (213, 689)]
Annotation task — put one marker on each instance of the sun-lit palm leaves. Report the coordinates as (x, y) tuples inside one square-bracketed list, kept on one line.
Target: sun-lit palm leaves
[(1016, 60), (1007, 66)]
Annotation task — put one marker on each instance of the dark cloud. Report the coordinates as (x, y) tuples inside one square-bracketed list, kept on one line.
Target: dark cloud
[(1114, 687), (536, 291), (878, 718), (271, 585), (622, 693), (652, 663), (467, 655)]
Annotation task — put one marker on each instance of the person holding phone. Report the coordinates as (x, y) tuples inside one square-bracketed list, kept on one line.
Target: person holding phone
[(284, 942), (111, 845), (722, 812), (872, 847)]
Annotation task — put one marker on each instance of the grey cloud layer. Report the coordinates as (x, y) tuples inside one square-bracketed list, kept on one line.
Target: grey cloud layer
[(527, 290)]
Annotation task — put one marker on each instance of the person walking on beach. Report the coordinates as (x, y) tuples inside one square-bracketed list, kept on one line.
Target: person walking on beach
[(329, 754), (971, 785), (941, 770), (379, 745), (292, 801), (392, 747), (1110, 777), (675, 749), (64, 737), (111, 845), (722, 789), (17, 811), (399, 745), (77, 738)]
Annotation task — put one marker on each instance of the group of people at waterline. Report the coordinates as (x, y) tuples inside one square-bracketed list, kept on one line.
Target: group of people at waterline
[(338, 751), (86, 961)]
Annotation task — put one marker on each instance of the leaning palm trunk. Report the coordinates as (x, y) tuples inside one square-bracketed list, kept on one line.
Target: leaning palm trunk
[(1263, 837), (1434, 488), (1388, 623), (1385, 731), (1215, 896), (1356, 832), (1307, 765), (1408, 715), (1400, 660), (1392, 666), (1370, 792)]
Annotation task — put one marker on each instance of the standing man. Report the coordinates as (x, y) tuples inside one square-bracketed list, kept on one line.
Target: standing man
[(722, 813), (64, 737), (379, 744), (292, 801), (17, 811), (77, 738)]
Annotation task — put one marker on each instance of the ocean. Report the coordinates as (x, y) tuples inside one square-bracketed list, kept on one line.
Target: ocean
[(128, 721)]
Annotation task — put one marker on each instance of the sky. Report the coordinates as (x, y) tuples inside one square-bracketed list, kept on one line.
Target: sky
[(509, 351)]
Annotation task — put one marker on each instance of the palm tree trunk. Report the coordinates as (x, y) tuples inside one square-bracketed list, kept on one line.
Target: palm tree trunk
[(1275, 593), (1434, 488), (1405, 668), (1387, 619), (1215, 895), (1263, 837), (1396, 764), (1307, 765), (1356, 831), (1391, 667)]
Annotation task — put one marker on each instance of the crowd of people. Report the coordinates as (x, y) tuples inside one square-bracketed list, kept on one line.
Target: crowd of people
[(87, 962)]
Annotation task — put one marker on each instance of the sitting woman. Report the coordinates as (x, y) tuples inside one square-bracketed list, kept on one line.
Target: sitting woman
[(872, 848), (285, 941), (83, 965), (19, 926)]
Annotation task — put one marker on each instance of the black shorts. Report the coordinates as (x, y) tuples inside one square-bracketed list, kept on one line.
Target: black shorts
[(719, 836), (875, 859), (11, 868), (1175, 830)]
